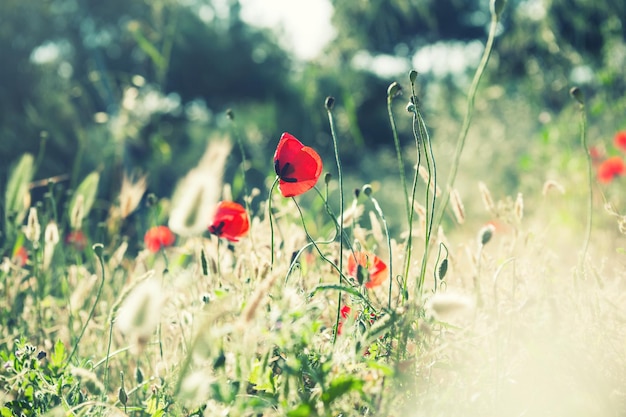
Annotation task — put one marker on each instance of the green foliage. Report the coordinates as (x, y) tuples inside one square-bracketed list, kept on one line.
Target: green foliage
[(37, 381)]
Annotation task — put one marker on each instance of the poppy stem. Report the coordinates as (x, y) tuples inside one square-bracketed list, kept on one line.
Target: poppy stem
[(269, 216), (396, 141), (333, 132)]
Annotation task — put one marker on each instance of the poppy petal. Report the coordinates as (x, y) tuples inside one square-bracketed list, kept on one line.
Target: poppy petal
[(297, 166), (230, 221)]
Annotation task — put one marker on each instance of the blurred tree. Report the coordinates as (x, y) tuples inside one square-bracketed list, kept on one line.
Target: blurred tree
[(78, 70)]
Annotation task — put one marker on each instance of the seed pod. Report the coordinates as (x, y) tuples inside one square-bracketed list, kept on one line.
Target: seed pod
[(443, 269)]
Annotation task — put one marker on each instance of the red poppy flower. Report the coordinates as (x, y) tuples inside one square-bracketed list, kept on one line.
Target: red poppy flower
[(20, 257), (76, 239), (158, 237), (611, 168), (230, 221), (620, 140), (344, 312), (298, 167), (375, 267)]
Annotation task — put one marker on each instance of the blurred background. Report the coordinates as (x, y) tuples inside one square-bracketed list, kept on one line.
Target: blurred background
[(127, 85)]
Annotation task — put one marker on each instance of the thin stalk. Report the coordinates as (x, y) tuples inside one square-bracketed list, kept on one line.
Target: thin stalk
[(422, 133), (471, 96), (577, 94), (331, 120), (396, 141), (95, 303), (269, 214)]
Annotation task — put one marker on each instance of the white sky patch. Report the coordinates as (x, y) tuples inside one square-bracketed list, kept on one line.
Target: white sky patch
[(445, 58), (303, 26), (385, 66)]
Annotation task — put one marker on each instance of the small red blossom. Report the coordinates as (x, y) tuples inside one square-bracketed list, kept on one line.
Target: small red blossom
[(76, 239), (620, 140), (298, 167), (158, 237), (20, 256), (597, 154), (230, 221), (344, 312), (375, 267), (611, 168)]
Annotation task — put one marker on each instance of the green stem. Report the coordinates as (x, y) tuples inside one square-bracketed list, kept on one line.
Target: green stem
[(269, 214), (95, 303), (340, 179), (399, 157)]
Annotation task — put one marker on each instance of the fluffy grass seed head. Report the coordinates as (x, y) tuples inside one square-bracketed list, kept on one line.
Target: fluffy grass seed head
[(518, 208), (447, 305), (133, 189), (550, 185), (485, 196), (140, 312), (32, 230), (50, 238), (197, 194), (457, 206)]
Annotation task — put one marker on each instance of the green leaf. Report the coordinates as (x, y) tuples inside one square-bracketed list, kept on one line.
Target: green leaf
[(17, 188), (303, 410), (340, 386), (58, 354), (85, 195)]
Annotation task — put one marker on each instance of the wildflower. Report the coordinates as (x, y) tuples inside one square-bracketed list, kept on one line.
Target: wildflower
[(375, 267), (158, 237), (76, 239), (620, 140), (20, 256), (344, 312), (597, 154), (611, 168), (230, 221), (298, 167)]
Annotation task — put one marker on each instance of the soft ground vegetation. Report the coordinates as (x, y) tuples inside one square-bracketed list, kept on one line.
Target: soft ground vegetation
[(473, 265)]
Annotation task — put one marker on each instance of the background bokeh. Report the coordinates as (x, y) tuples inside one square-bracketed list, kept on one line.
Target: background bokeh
[(143, 85)]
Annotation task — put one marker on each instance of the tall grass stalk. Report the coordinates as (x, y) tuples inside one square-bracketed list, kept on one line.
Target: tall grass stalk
[(496, 7)]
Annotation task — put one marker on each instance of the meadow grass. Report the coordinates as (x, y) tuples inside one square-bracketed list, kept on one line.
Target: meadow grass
[(493, 301)]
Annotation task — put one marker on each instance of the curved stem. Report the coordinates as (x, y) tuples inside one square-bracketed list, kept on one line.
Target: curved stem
[(333, 132), (471, 96)]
